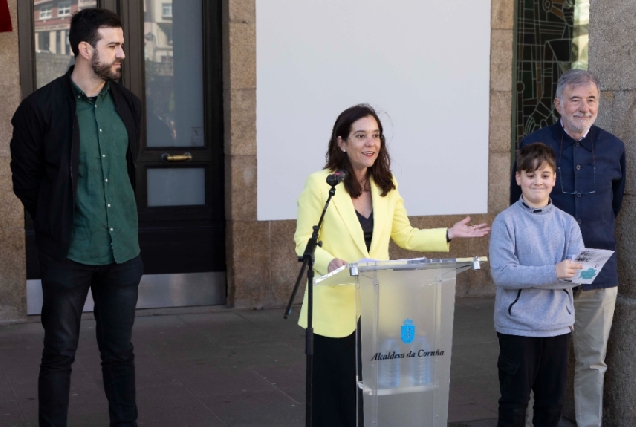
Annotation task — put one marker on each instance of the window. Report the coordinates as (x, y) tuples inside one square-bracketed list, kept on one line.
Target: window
[(168, 32), (43, 41), (167, 10), (46, 12), (64, 8), (83, 4), (50, 39), (552, 37)]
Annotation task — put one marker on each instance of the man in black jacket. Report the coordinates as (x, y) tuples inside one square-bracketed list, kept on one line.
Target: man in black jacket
[(72, 157)]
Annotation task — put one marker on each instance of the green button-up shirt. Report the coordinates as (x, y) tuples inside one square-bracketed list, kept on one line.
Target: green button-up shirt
[(105, 217)]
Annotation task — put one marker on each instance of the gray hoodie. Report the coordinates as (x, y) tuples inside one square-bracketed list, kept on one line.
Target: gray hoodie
[(525, 246)]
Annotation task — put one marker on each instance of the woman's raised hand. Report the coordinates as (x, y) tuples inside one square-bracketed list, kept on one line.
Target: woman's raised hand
[(462, 229)]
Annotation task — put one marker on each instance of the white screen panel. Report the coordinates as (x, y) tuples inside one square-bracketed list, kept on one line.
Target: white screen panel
[(425, 66)]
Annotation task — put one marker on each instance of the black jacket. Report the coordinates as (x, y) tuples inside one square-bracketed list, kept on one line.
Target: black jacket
[(45, 157)]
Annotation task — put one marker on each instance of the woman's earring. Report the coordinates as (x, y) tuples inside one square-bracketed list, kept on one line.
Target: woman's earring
[(344, 151)]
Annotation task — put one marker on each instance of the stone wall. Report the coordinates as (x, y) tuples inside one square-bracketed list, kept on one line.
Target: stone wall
[(612, 56), (261, 261), (12, 255)]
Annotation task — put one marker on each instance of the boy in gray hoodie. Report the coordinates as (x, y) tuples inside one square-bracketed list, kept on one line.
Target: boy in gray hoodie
[(531, 246)]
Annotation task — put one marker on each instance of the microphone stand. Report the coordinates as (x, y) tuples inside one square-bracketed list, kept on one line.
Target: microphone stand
[(308, 261)]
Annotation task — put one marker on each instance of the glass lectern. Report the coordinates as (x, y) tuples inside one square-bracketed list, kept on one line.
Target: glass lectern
[(405, 337)]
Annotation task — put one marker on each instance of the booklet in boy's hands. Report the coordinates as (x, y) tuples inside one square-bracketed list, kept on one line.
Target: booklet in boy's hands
[(593, 261)]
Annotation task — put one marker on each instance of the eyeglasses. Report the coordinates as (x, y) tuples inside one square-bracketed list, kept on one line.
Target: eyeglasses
[(560, 175)]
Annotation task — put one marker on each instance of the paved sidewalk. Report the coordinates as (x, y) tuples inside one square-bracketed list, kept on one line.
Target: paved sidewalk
[(212, 366)]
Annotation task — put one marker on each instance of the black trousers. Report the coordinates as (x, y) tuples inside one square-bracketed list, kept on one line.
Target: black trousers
[(65, 285), (334, 376), (538, 364)]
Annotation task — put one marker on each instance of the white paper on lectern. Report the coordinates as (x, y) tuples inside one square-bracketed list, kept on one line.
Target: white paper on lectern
[(337, 271), (337, 276)]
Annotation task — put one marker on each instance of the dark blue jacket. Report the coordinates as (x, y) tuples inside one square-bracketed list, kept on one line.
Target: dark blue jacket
[(595, 164)]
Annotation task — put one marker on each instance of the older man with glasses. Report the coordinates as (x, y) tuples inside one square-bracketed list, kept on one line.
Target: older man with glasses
[(590, 185)]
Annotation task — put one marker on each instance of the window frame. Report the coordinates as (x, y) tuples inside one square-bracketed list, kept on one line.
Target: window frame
[(165, 15), (45, 7), (169, 36), (26, 35), (64, 5)]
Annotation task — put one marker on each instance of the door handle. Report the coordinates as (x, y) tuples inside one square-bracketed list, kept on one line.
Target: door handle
[(185, 157)]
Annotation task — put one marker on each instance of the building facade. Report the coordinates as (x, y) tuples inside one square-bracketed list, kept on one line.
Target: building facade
[(201, 240)]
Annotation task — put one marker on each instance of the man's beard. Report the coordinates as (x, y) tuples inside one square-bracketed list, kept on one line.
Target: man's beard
[(579, 123), (105, 71)]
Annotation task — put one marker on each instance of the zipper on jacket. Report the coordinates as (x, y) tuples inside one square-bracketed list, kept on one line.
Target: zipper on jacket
[(566, 305), (514, 302)]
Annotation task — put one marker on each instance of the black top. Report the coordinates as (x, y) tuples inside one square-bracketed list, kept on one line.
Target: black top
[(367, 228)]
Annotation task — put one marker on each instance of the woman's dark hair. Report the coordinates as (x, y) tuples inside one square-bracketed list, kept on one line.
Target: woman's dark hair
[(535, 155), (337, 159), (86, 22)]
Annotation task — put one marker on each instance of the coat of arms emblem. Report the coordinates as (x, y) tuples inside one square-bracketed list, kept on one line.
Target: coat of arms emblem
[(408, 331)]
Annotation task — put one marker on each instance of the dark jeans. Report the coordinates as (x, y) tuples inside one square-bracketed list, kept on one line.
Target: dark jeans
[(334, 378), (527, 363), (65, 285)]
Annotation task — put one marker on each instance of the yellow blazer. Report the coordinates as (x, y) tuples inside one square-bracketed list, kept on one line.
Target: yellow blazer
[(334, 313)]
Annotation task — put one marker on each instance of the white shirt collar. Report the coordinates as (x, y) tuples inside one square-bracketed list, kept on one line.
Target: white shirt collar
[(582, 137)]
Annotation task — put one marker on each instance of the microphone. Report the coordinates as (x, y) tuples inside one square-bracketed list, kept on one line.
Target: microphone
[(336, 178)]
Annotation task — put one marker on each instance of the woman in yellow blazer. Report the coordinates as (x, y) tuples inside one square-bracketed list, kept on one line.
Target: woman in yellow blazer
[(364, 214)]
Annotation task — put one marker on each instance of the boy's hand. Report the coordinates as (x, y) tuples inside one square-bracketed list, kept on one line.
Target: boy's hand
[(567, 269)]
